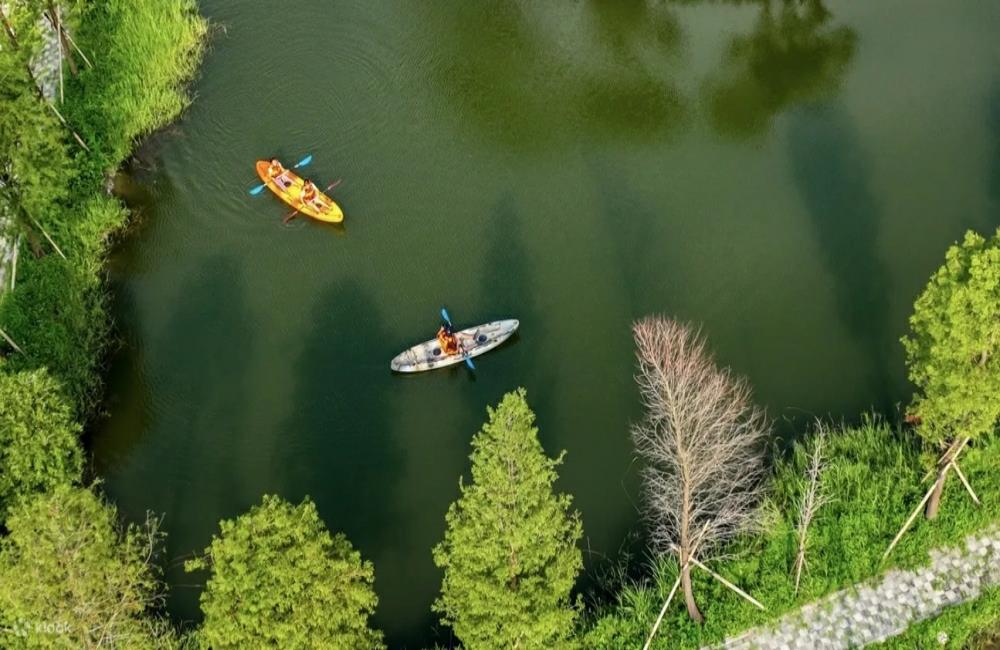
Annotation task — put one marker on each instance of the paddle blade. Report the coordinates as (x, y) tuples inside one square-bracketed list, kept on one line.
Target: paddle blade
[(444, 315), (257, 190), (302, 163), (469, 363)]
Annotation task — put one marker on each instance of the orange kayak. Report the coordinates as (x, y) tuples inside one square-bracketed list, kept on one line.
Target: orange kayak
[(288, 187)]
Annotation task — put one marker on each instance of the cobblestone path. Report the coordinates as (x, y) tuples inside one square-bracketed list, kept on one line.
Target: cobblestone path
[(877, 610)]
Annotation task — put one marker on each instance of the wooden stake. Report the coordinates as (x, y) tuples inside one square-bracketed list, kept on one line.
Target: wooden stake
[(77, 48), (10, 341), (50, 240), (38, 88), (725, 582), (913, 516), (728, 584), (663, 610), (62, 55), (53, 17), (965, 482), (13, 262), (8, 28), (680, 573)]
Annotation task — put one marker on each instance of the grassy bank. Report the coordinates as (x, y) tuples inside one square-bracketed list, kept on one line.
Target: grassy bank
[(142, 51), (874, 480)]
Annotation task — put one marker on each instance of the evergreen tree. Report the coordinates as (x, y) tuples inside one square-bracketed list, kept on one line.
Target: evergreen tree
[(39, 441), (510, 554), (280, 580), (952, 350), (71, 578)]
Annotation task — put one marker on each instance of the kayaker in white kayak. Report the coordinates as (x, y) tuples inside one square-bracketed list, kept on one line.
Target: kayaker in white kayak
[(447, 339)]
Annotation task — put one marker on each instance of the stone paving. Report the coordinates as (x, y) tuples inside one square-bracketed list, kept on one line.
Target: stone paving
[(871, 612)]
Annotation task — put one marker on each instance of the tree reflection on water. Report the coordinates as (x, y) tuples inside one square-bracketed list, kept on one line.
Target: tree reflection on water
[(794, 55), (530, 75)]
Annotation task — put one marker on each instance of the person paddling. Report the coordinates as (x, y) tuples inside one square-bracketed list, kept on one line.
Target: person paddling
[(309, 192), (275, 169), (447, 339)]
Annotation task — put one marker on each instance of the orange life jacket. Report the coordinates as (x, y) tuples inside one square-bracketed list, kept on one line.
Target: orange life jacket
[(448, 343)]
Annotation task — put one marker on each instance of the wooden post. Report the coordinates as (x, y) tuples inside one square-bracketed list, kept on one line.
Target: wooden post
[(10, 341), (8, 28), (38, 88), (64, 49), (13, 262), (76, 47), (965, 482), (663, 611), (913, 516), (728, 584), (46, 235)]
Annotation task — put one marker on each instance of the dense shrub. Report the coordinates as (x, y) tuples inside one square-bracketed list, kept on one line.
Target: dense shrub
[(510, 554), (39, 439), (280, 580), (71, 578)]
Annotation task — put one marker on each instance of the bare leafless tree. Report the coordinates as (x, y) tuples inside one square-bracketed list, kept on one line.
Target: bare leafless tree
[(811, 500), (701, 438)]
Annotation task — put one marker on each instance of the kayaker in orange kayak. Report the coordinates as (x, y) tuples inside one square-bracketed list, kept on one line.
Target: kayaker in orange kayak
[(309, 192), (275, 168), (447, 339)]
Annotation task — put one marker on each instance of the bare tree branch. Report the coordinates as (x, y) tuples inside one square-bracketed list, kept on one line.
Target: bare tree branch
[(811, 500), (701, 438)]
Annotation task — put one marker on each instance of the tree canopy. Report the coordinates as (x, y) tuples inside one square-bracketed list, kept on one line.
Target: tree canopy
[(952, 349), (510, 554), (280, 580), (71, 578), (39, 441)]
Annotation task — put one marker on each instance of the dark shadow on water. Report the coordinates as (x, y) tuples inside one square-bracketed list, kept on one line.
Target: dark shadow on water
[(795, 54), (508, 291), (993, 112), (200, 361), (831, 171), (340, 450), (124, 415)]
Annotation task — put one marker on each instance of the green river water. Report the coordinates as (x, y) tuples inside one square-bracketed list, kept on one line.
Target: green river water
[(788, 176)]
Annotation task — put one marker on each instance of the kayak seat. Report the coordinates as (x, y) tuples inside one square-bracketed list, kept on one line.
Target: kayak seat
[(436, 352), (481, 338)]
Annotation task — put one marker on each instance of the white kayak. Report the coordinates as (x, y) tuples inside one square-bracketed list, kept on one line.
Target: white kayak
[(473, 341)]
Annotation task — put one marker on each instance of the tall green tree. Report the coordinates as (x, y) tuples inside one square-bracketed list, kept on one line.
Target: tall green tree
[(952, 349), (39, 441), (70, 577), (280, 580), (510, 554)]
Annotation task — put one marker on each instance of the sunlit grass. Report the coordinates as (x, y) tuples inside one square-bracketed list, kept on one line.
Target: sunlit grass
[(874, 480)]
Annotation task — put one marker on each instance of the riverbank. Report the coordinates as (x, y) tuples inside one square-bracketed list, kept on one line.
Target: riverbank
[(872, 480), (142, 54)]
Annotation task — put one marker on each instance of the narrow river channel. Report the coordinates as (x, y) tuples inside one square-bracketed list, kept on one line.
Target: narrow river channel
[(786, 175)]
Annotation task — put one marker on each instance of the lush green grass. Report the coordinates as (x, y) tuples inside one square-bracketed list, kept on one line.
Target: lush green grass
[(874, 479), (963, 626), (142, 50)]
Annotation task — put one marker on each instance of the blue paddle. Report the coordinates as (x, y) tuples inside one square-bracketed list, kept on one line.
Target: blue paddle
[(302, 163), (447, 319)]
